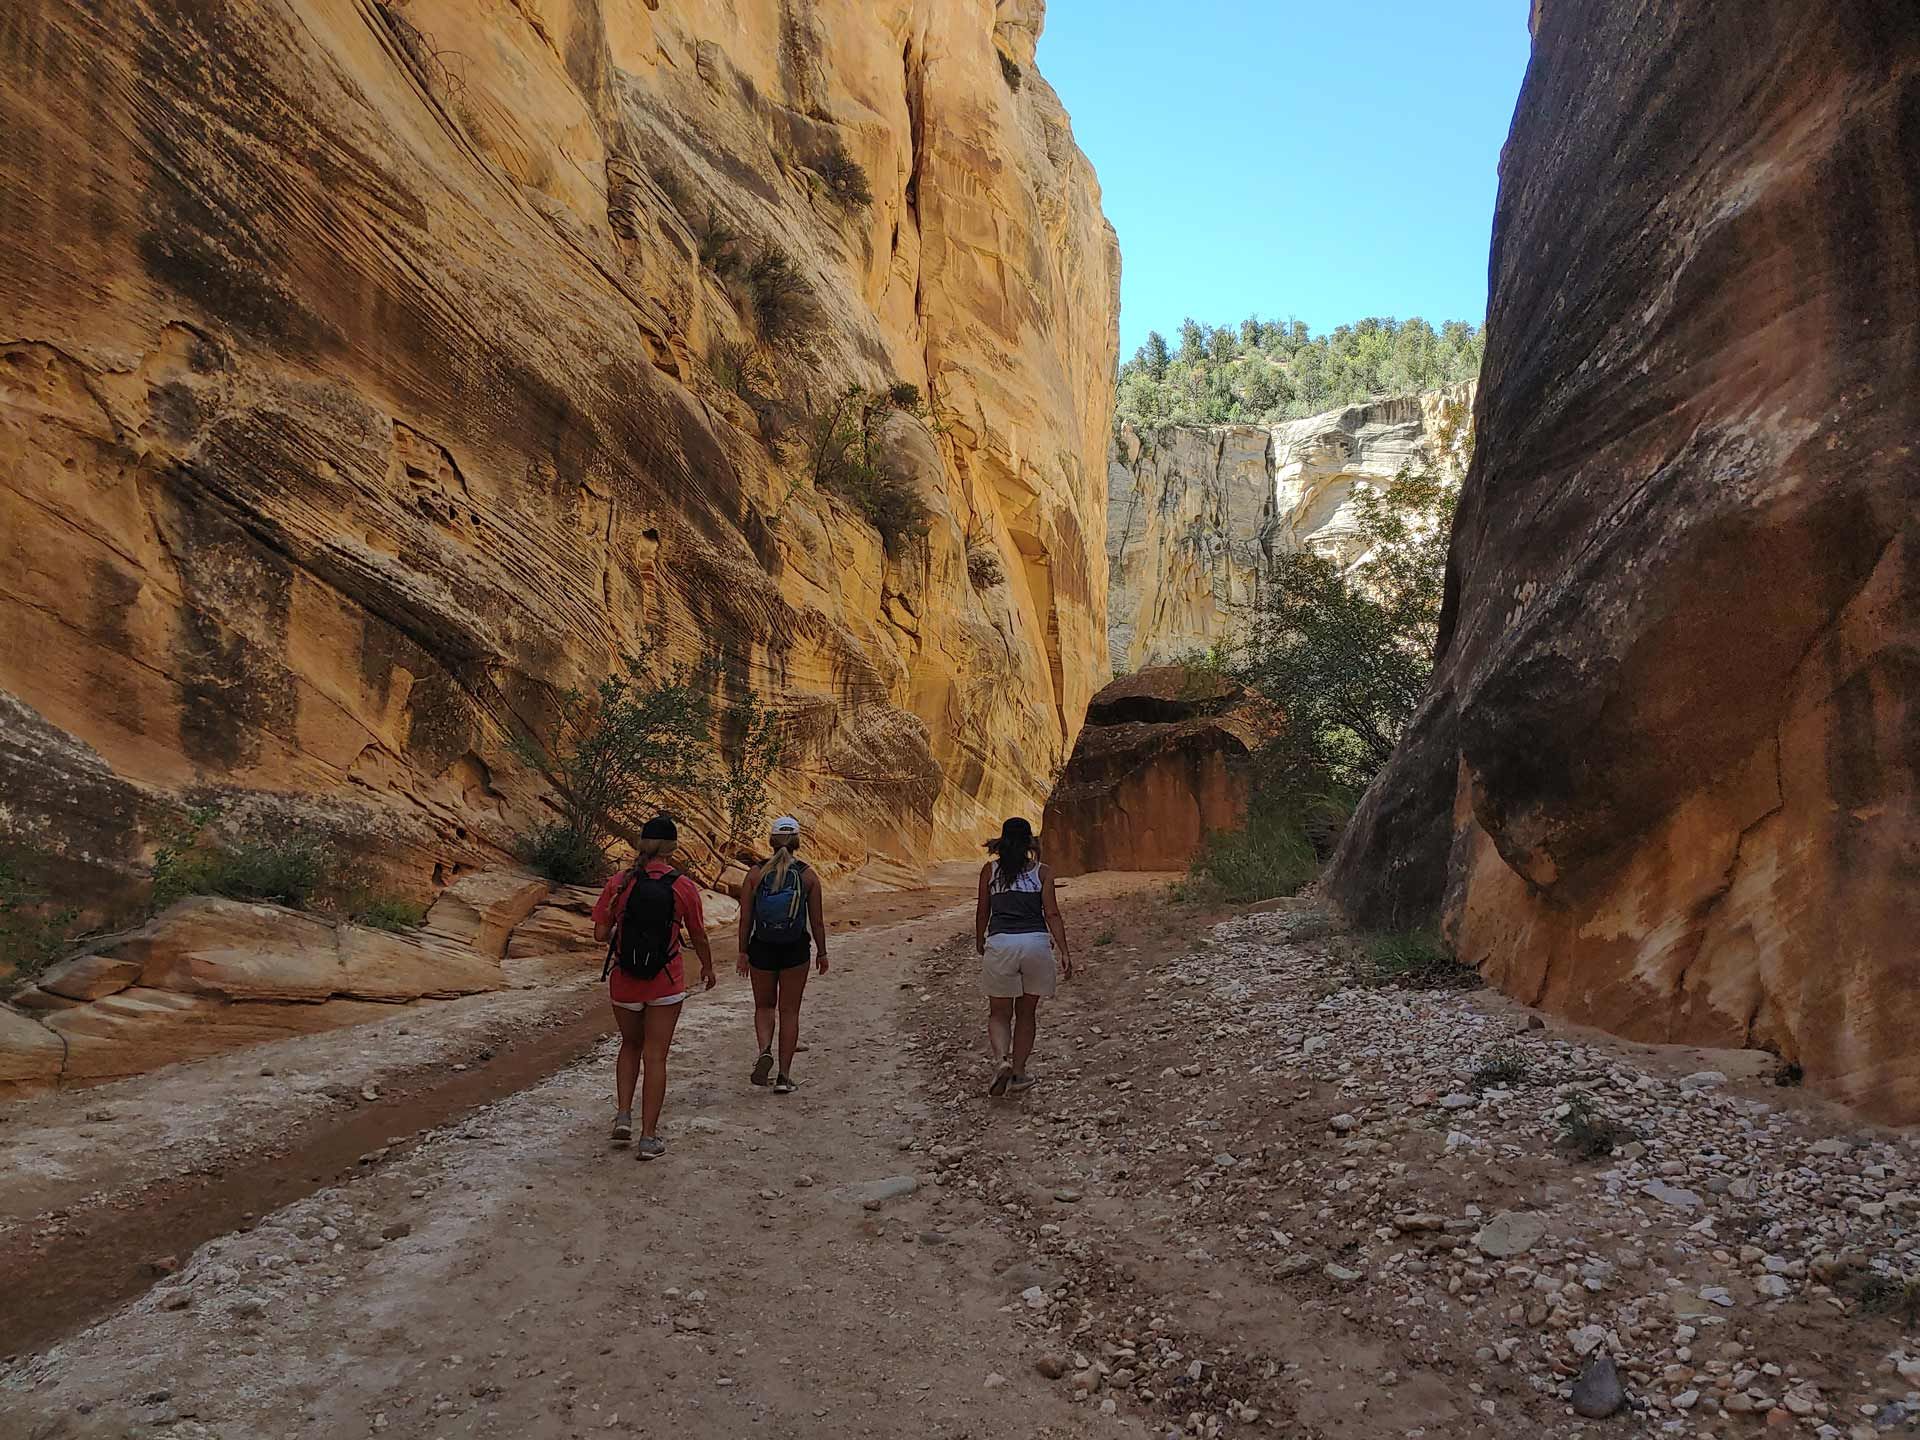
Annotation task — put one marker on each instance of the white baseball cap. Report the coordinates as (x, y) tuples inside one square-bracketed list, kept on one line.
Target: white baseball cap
[(785, 825)]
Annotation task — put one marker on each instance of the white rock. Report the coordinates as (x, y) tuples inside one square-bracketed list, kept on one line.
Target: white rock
[(1703, 1080), (1672, 1195), (1510, 1233), (1587, 1339)]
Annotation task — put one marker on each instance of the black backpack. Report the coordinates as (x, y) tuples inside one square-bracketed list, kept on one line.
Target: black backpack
[(643, 935)]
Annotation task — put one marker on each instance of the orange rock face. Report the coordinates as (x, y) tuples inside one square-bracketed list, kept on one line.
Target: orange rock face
[(1161, 763), (1665, 781), (363, 385)]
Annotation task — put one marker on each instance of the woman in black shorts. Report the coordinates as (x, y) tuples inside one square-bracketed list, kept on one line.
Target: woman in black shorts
[(779, 906)]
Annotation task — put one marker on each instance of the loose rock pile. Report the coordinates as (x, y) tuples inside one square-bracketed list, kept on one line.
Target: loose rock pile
[(1559, 1229)]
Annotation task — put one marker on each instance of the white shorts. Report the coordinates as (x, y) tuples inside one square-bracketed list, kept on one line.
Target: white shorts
[(646, 1004), (1015, 965)]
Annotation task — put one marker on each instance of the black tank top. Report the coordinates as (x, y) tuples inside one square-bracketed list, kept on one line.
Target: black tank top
[(1016, 909)]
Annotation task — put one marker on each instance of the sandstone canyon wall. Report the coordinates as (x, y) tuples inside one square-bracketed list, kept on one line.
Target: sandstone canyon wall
[(1665, 780), (1194, 510), (362, 386)]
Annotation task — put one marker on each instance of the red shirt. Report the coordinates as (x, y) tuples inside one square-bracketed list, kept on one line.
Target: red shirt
[(625, 989)]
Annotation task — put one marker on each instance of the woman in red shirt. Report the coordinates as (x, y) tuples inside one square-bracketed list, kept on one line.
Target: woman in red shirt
[(648, 1010)]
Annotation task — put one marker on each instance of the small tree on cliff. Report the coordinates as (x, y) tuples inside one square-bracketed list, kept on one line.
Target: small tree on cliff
[(1346, 649), (643, 741)]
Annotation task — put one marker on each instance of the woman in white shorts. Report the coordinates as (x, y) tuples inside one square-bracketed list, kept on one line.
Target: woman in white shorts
[(1019, 933)]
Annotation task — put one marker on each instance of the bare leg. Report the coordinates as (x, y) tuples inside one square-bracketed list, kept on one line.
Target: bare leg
[(1025, 1009), (626, 1070), (999, 1026), (766, 988), (658, 1037), (793, 984)]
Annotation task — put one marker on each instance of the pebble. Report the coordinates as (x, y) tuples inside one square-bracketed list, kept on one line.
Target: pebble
[(1598, 1392)]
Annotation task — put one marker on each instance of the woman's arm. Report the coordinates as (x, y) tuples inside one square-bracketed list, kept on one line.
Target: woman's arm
[(982, 908), (1056, 922), (817, 918), (743, 929)]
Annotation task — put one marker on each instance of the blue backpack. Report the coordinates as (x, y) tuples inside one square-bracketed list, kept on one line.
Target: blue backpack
[(780, 916)]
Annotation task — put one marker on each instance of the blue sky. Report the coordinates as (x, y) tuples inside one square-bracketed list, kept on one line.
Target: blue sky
[(1292, 157)]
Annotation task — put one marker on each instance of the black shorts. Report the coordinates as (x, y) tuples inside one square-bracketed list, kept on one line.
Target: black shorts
[(778, 954)]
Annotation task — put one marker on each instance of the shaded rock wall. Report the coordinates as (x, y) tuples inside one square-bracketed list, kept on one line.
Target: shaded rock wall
[(1665, 779), (1192, 511), (1162, 762), (355, 395)]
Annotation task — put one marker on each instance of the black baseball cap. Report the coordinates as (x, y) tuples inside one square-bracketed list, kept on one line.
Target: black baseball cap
[(660, 827)]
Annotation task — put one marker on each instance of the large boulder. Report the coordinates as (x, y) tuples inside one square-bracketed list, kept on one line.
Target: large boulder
[(1665, 780), (1162, 762)]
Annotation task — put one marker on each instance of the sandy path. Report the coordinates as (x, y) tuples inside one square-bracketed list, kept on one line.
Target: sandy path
[(513, 1275), (96, 1184)]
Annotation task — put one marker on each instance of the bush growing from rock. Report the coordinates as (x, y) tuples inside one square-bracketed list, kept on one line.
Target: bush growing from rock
[(843, 176), (643, 740), (34, 932), (779, 297), (849, 457)]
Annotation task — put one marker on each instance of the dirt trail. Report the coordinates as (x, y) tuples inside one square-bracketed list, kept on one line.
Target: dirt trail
[(101, 1183), (515, 1275), (1250, 1196)]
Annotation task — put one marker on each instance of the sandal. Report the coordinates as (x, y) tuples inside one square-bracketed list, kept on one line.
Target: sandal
[(762, 1068)]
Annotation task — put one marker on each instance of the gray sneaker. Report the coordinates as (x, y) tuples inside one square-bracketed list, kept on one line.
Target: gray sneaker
[(622, 1127), (1019, 1083), (650, 1148)]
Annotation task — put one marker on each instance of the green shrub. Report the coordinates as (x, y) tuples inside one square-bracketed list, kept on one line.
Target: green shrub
[(1590, 1132), (1417, 960), (843, 176), (33, 931), (1500, 1070), (288, 869), (387, 912), (984, 570), (564, 855), (644, 738), (1269, 856), (717, 241), (1010, 71), (1105, 937), (847, 451), (740, 368), (780, 297), (1881, 1294), (672, 186)]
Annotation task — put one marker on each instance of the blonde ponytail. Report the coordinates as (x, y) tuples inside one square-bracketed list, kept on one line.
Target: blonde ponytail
[(782, 860), (649, 849)]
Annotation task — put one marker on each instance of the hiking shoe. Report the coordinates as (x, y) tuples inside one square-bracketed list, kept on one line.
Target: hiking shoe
[(762, 1068), (622, 1127), (1019, 1083), (1002, 1078), (650, 1148), (785, 1086)]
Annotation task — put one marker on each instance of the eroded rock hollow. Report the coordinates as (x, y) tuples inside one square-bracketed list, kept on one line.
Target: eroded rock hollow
[(371, 370), (1665, 778)]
